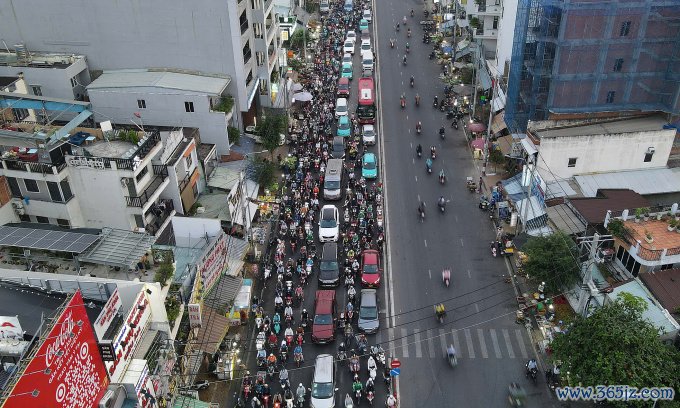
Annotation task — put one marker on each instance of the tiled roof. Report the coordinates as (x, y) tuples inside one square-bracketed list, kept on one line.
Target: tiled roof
[(594, 209), (665, 286)]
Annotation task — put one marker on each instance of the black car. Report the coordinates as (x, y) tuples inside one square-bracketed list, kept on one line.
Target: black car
[(329, 267), (338, 147)]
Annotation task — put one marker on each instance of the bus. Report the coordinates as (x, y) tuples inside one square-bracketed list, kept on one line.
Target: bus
[(366, 109)]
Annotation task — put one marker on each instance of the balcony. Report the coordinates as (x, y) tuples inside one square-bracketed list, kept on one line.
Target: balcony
[(664, 247), (185, 181), (33, 167), (140, 200), (484, 9), (161, 212)]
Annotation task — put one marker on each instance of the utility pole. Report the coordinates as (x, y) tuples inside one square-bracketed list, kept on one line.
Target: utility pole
[(488, 128), (529, 181), (475, 74)]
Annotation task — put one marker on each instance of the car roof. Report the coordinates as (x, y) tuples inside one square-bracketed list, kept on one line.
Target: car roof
[(370, 254), (369, 157), (343, 119), (341, 101), (323, 368), (370, 294), (331, 249), (343, 81), (368, 126), (324, 299)]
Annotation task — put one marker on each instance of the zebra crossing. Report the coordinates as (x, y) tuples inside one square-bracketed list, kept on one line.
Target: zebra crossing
[(484, 343)]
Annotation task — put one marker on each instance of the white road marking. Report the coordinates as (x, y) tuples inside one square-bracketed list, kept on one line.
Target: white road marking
[(429, 272), (430, 343), (416, 178), (470, 345), (482, 343), (404, 343), (418, 197), (461, 242), (413, 160), (506, 337), (392, 350), (456, 215), (442, 340), (520, 340), (456, 343), (494, 341), (425, 243), (418, 343), (477, 307), (469, 274)]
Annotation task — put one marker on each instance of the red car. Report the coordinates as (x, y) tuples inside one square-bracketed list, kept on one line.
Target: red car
[(343, 87), (323, 327), (370, 268)]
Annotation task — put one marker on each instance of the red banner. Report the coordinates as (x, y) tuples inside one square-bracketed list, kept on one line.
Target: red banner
[(67, 371)]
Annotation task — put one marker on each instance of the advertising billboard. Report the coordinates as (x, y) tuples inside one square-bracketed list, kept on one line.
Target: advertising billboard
[(213, 262), (66, 371), (107, 314)]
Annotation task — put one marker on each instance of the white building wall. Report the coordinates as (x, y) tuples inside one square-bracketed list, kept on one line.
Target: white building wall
[(202, 36), (53, 82), (506, 34), (602, 153), (163, 108), (8, 214), (101, 198)]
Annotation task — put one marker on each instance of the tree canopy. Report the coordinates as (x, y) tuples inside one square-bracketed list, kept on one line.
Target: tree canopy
[(552, 259), (270, 128), (616, 345)]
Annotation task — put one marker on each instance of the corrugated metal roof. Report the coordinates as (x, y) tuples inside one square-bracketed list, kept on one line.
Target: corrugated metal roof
[(644, 182), (135, 78)]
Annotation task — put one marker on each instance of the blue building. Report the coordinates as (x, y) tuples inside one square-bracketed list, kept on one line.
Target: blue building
[(576, 58)]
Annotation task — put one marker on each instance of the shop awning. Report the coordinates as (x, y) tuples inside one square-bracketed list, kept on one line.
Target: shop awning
[(498, 122), (214, 327), (531, 213)]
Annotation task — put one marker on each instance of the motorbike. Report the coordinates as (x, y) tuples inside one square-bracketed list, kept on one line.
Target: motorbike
[(442, 178), (403, 103), (442, 205), (435, 103), (494, 251), (391, 43), (288, 398), (483, 203), (433, 154), (354, 366), (428, 166), (299, 359), (442, 134), (517, 395), (533, 373), (370, 396), (412, 82), (372, 368), (349, 402), (419, 128), (379, 353), (446, 277), (455, 124)]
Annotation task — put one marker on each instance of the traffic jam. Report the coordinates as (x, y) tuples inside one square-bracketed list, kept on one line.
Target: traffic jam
[(319, 311)]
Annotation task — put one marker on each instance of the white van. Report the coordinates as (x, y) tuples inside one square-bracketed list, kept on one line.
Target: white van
[(332, 182), (325, 6), (341, 107), (349, 5), (323, 382), (367, 60)]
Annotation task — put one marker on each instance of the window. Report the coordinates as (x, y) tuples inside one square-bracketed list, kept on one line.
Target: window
[(31, 186), (625, 28), (189, 106), (648, 154), (189, 162), (74, 82), (572, 162), (246, 52), (14, 187), (20, 114), (25, 217), (618, 64), (142, 173), (37, 90), (63, 223), (495, 23), (610, 96), (243, 21), (139, 221), (194, 189), (42, 220), (55, 194), (141, 103), (66, 190), (667, 266)]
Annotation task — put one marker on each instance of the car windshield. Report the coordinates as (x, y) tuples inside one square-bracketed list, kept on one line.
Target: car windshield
[(322, 390), (328, 265), (328, 223), (349, 44), (370, 165), (343, 87), (331, 185), (343, 125), (370, 268), (346, 68), (368, 312), (323, 319), (341, 108)]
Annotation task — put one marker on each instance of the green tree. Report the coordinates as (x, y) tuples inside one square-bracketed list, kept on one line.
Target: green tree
[(265, 171), (552, 259), (234, 135), (270, 128), (616, 345), (297, 40), (496, 157)]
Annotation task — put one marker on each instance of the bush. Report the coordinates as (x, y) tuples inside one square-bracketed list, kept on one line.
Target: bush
[(225, 105), (164, 273), (172, 306), (234, 135)]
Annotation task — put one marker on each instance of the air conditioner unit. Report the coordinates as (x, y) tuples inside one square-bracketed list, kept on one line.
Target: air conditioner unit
[(107, 400), (18, 208)]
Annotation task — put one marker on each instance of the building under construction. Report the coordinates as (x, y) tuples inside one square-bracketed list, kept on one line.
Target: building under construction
[(573, 58)]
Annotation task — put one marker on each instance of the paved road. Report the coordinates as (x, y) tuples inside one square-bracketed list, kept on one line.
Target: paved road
[(480, 323)]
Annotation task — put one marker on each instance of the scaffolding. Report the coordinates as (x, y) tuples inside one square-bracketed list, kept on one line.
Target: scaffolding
[(572, 57)]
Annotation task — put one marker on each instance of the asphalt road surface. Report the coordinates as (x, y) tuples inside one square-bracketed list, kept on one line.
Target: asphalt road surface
[(480, 306)]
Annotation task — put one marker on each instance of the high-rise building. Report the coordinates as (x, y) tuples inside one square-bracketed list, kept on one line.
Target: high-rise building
[(576, 58)]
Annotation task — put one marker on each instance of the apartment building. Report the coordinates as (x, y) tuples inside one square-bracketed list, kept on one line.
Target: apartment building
[(235, 38), (483, 19), (572, 58)]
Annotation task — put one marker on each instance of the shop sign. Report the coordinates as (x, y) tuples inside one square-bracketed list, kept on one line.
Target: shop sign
[(111, 308), (213, 262), (67, 370), (10, 328), (106, 350), (194, 315)]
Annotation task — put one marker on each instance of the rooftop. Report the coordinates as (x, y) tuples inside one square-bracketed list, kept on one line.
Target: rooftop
[(594, 209), (665, 286), (570, 128), (662, 238), (653, 313), (644, 182), (183, 81), (38, 59)]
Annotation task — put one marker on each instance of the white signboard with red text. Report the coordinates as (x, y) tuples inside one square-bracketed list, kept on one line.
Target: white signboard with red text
[(66, 371), (107, 314), (10, 328), (128, 337), (194, 315), (213, 262)]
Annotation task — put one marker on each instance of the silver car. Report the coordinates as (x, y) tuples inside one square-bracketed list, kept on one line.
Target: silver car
[(368, 311)]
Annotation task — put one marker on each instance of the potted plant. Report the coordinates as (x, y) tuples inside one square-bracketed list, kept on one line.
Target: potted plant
[(677, 216), (616, 227), (672, 224), (648, 237), (645, 213), (660, 215), (638, 214)]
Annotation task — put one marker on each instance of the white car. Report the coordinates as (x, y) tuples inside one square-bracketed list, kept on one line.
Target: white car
[(365, 45), (348, 47), (368, 134), (351, 36), (367, 15), (346, 59), (341, 107), (329, 224)]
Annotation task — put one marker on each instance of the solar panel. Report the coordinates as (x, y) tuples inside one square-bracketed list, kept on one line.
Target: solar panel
[(46, 239)]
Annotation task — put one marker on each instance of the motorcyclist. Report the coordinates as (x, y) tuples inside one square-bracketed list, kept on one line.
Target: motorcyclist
[(278, 301), (288, 312), (304, 316), (301, 391), (341, 350), (283, 377), (413, 80), (433, 151), (419, 150), (411, 12), (417, 100), (442, 176), (436, 101), (408, 46), (391, 401), (428, 164), (440, 310), (298, 350), (351, 292), (370, 386), (404, 59), (421, 208), (451, 354), (408, 32), (419, 127), (392, 42), (284, 347), (531, 365), (397, 27), (442, 130), (357, 385), (442, 201), (271, 360)]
